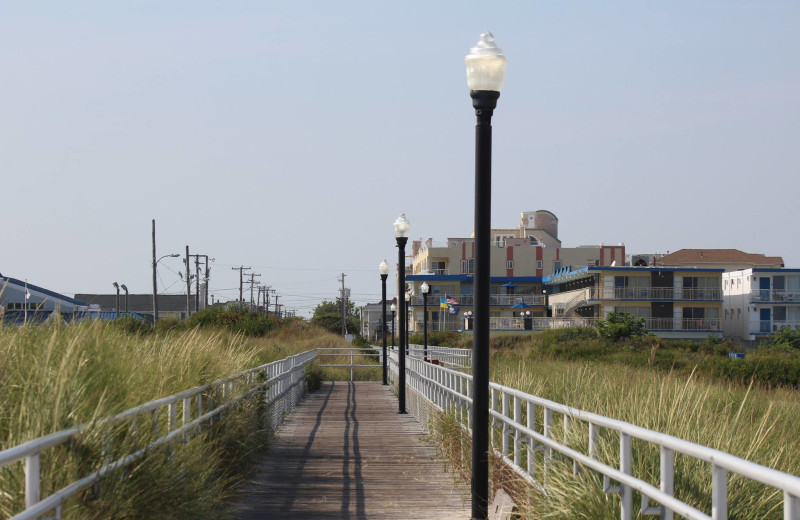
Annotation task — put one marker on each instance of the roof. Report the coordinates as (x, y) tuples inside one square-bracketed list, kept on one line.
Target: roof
[(717, 256), (42, 290), (141, 303)]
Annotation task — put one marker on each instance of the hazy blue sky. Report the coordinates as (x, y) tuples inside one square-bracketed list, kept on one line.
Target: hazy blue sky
[(288, 136)]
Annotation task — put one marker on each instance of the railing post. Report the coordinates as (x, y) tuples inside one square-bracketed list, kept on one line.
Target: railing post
[(719, 493), (505, 424), (517, 434), (32, 479), (791, 507), (531, 424), (548, 433), (667, 479), (593, 434), (625, 466)]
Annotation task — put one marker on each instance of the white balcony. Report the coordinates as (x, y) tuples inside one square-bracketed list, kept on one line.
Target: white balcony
[(774, 295), (772, 326)]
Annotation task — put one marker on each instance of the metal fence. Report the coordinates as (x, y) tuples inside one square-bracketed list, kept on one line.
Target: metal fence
[(281, 383), (519, 432)]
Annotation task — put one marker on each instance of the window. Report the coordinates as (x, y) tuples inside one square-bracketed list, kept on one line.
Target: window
[(471, 266), (510, 264), (556, 265), (538, 264), (463, 267)]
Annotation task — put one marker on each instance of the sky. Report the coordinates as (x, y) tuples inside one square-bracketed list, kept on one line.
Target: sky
[(288, 136)]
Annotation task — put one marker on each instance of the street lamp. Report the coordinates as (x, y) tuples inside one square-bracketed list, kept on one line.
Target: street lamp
[(424, 289), (155, 286), (401, 229), (116, 309), (408, 319), (383, 269), (468, 320), (125, 288), (394, 311), (486, 67)]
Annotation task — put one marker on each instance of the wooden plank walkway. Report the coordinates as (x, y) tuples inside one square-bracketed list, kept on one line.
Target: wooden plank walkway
[(345, 453)]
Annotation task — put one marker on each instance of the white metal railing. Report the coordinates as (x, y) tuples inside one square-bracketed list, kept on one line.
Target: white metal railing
[(517, 436), (351, 355), (456, 358), (660, 293), (774, 295), (282, 383), (468, 300), (770, 326)]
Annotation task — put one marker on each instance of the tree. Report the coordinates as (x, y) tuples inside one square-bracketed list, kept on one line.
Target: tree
[(620, 325), (328, 315)]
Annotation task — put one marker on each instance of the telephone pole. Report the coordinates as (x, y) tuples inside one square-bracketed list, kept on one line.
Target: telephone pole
[(241, 269), (155, 287), (188, 285), (277, 313), (252, 283), (344, 308)]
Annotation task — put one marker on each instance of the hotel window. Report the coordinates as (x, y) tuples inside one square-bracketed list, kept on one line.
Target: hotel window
[(463, 267), (538, 264), (556, 265), (471, 266), (510, 264)]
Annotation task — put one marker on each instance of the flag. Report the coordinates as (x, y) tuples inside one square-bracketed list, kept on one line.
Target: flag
[(443, 303), (27, 295)]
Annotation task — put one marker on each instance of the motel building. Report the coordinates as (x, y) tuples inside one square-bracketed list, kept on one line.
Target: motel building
[(758, 302), (674, 302)]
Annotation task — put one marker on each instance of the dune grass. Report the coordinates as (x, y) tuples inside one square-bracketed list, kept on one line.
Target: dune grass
[(52, 378), (750, 421)]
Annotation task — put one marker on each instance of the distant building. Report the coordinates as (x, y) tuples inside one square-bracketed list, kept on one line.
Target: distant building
[(727, 259), (371, 317), (520, 258), (759, 302), (21, 301), (674, 302), (169, 305)]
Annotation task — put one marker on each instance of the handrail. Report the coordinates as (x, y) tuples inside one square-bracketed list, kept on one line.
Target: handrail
[(514, 412), (280, 379)]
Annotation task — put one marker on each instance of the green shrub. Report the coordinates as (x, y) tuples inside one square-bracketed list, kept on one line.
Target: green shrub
[(237, 319), (785, 337), (620, 325)]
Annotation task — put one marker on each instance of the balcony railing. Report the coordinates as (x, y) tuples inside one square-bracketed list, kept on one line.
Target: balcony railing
[(468, 300), (711, 325), (771, 326), (661, 293), (432, 272), (774, 295)]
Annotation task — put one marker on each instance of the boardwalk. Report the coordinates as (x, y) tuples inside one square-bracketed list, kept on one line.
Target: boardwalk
[(345, 453)]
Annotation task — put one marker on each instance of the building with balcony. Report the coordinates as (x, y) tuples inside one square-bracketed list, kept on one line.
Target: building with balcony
[(759, 302), (532, 249), (675, 302), (450, 297)]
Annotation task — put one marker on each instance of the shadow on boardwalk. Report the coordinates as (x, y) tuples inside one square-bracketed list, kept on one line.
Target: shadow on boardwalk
[(345, 453)]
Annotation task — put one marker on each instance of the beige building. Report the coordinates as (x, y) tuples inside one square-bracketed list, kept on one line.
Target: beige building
[(674, 302), (520, 258)]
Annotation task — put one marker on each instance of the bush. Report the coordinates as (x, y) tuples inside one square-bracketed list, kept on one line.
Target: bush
[(785, 338), (620, 325), (238, 319)]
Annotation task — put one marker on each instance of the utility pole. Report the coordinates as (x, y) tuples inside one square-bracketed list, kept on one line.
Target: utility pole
[(267, 290), (344, 308), (208, 276), (197, 283), (252, 283), (188, 285), (241, 269), (155, 287), (277, 313)]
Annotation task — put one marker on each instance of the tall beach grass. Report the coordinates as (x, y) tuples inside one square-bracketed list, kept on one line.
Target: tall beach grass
[(52, 378)]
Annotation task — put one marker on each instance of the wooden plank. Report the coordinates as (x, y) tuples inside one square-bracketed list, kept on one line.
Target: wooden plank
[(345, 453)]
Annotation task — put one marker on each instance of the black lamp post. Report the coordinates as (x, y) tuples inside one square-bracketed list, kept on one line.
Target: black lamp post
[(424, 289), (116, 309), (383, 269), (408, 320), (125, 288), (394, 311), (486, 67), (401, 229)]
